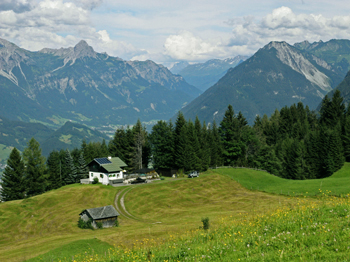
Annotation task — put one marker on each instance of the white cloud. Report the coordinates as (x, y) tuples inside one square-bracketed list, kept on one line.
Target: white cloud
[(55, 24), (284, 24), (167, 31)]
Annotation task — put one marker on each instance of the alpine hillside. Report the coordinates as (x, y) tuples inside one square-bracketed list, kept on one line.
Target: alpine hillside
[(55, 85), (275, 76)]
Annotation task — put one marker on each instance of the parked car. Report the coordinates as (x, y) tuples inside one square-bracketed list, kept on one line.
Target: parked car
[(139, 180), (193, 174)]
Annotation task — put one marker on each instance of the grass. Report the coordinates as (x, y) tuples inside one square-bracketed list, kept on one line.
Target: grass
[(169, 214), (89, 247), (308, 230), (338, 183)]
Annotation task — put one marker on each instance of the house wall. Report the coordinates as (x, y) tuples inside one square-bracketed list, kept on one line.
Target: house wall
[(104, 178), (108, 222)]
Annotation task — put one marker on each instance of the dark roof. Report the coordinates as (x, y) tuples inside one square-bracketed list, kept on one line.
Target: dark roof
[(102, 212), (144, 170)]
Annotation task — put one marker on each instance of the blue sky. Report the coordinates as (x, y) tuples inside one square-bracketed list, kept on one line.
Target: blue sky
[(168, 31)]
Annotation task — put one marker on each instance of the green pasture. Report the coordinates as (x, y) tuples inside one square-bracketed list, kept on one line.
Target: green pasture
[(44, 227), (337, 184)]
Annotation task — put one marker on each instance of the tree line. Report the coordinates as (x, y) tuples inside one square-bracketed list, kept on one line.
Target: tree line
[(293, 143)]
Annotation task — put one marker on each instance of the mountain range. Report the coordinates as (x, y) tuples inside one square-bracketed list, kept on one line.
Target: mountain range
[(275, 76), (53, 86), (204, 75)]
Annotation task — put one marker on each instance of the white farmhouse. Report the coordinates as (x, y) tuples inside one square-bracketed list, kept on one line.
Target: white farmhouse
[(108, 170)]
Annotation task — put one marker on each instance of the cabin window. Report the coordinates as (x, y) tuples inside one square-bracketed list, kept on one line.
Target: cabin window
[(101, 175)]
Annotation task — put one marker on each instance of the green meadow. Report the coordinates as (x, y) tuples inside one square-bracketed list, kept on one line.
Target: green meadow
[(253, 216)]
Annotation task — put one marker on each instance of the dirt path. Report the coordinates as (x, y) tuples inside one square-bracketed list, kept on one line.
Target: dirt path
[(120, 205)]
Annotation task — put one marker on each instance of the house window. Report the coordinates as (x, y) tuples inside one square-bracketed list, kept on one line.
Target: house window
[(92, 174), (101, 175)]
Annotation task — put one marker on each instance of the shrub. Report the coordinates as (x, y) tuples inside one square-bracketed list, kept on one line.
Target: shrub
[(85, 224), (95, 181), (116, 223), (205, 222), (99, 225), (162, 178)]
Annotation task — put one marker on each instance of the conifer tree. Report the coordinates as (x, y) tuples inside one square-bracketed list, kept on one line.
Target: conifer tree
[(13, 178), (227, 133), (82, 169), (34, 168), (54, 170), (140, 141), (180, 135), (162, 145), (71, 177), (215, 146)]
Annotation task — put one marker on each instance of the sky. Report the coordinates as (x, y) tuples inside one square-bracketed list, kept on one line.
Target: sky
[(167, 31)]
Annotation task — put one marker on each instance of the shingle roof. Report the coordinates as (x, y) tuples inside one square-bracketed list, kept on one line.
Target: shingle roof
[(102, 212), (114, 164)]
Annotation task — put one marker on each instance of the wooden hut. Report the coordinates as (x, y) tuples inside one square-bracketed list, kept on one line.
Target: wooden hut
[(106, 215)]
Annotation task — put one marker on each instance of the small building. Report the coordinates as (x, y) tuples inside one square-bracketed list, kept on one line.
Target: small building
[(108, 170), (106, 215)]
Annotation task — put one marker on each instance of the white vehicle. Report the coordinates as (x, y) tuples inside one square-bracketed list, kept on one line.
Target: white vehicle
[(193, 174)]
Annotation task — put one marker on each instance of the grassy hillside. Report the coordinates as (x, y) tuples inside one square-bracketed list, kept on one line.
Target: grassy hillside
[(37, 225), (338, 183), (168, 216)]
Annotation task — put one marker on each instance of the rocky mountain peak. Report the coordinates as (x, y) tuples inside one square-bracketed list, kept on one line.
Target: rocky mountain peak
[(10, 57), (292, 57), (82, 49)]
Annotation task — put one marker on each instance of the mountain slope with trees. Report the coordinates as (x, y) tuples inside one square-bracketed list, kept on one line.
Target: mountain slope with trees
[(275, 76)]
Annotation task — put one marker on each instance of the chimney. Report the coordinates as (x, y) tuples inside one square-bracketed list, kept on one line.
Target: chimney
[(109, 157)]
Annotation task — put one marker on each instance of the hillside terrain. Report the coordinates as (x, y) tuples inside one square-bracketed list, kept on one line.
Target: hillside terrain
[(204, 75), (56, 85), (275, 76), (70, 135), (344, 88), (167, 210)]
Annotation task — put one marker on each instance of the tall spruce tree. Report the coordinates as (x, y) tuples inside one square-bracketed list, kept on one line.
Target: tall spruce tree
[(230, 133), (82, 169), (180, 135), (72, 176), (13, 179), (35, 168), (215, 146), (54, 170), (162, 145)]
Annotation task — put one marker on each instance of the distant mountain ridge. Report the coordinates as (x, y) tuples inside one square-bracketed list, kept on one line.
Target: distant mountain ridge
[(335, 52), (77, 83), (70, 135), (275, 76), (204, 75)]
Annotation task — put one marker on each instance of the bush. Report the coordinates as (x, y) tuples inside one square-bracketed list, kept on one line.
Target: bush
[(99, 225), (162, 178), (85, 224), (95, 181), (116, 223), (205, 222)]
